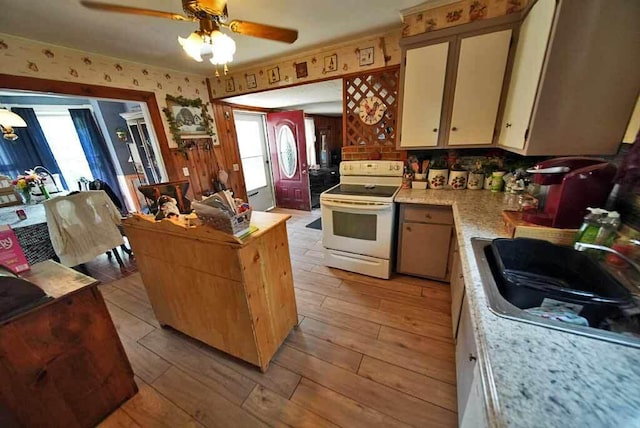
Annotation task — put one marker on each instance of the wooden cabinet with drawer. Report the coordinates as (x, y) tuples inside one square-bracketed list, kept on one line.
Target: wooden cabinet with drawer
[(425, 240)]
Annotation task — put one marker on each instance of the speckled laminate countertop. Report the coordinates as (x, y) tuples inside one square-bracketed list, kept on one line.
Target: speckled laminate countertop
[(539, 377)]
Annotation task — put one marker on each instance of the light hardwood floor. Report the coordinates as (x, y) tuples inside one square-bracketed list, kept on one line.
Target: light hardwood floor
[(367, 352)]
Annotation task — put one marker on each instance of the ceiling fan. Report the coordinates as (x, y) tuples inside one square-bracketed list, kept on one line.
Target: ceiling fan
[(208, 40)]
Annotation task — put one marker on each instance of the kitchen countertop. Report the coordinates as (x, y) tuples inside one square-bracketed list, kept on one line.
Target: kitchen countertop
[(537, 377)]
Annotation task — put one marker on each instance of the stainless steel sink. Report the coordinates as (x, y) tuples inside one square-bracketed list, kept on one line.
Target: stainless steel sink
[(503, 308)]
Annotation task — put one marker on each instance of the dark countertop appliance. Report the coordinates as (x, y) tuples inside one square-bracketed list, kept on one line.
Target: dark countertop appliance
[(569, 185)]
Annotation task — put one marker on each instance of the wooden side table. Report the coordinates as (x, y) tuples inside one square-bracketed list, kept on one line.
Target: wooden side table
[(62, 363)]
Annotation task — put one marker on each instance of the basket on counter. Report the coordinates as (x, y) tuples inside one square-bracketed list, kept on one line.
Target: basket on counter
[(237, 225)]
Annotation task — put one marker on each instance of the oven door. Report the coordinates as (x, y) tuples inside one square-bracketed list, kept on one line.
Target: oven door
[(358, 227)]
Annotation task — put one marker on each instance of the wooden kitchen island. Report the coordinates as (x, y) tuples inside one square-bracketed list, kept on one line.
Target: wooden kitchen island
[(233, 294)]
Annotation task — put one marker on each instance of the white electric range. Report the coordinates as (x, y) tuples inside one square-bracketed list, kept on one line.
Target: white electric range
[(358, 217)]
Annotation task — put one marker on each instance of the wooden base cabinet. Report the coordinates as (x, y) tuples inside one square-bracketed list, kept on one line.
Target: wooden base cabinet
[(233, 294), (425, 241)]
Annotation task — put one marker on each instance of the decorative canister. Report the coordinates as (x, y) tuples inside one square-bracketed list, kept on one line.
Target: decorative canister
[(497, 181), (475, 181), (437, 178), (458, 179), (487, 182)]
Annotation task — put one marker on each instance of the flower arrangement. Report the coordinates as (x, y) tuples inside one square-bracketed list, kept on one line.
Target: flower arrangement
[(24, 184)]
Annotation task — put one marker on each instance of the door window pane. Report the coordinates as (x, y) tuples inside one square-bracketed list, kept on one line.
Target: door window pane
[(287, 152), (358, 226), (251, 155), (254, 176)]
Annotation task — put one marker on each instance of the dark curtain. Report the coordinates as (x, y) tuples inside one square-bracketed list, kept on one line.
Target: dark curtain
[(29, 150), (95, 148)]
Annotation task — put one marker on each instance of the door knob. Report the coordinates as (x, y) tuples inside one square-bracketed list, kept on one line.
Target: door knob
[(454, 129), (472, 357), (304, 171), (508, 125)]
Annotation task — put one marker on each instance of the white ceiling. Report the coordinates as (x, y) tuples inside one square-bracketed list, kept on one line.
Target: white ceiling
[(323, 98), (153, 41)]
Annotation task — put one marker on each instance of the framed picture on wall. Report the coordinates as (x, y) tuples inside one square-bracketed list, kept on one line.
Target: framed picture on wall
[(188, 118), (366, 56), (230, 85), (251, 81), (301, 69), (331, 63), (274, 74)]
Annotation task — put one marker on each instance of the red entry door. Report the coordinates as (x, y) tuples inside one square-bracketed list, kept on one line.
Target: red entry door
[(288, 147)]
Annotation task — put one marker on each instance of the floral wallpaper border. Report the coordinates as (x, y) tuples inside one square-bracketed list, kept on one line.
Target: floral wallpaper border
[(24, 57), (458, 13), (370, 53)]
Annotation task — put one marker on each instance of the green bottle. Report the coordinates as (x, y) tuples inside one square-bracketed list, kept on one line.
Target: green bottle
[(591, 226)]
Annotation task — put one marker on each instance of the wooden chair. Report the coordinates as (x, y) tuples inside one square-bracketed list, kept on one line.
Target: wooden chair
[(175, 189)]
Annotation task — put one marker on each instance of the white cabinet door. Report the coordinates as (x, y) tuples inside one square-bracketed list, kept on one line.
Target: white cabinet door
[(527, 68), (457, 292), (466, 358), (424, 75), (634, 125), (481, 67), (474, 415)]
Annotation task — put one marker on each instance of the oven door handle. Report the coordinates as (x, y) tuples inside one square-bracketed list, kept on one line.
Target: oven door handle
[(366, 206)]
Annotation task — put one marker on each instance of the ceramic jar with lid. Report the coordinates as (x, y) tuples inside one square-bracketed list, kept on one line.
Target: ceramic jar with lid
[(437, 178), (475, 181), (458, 180)]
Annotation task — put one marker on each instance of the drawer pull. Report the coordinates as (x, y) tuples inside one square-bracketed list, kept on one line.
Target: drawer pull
[(435, 129), (472, 357), (427, 216), (454, 129), (508, 125), (461, 276), (408, 229)]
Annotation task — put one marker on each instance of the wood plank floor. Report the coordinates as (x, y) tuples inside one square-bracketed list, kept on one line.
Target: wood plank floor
[(366, 353)]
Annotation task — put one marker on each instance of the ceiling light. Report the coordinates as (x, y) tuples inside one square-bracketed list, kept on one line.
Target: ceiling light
[(8, 121), (209, 41)]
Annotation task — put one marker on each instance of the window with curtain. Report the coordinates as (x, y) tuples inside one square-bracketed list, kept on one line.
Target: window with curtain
[(65, 145), (31, 149)]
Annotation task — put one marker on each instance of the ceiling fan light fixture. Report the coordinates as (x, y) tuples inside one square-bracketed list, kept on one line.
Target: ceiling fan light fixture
[(223, 47), (193, 45)]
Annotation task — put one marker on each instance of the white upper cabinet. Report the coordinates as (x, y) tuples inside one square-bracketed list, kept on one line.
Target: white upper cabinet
[(424, 77), (575, 78), (527, 66), (478, 87), (634, 125)]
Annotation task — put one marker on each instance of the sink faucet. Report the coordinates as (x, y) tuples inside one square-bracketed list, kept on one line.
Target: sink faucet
[(581, 246)]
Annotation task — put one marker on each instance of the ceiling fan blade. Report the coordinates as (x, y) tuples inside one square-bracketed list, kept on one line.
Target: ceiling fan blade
[(263, 31), (134, 10)]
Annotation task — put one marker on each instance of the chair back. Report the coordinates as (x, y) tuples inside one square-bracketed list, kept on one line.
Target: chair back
[(82, 226), (175, 189)]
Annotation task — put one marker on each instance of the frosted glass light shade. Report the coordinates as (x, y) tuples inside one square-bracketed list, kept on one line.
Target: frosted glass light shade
[(9, 119), (223, 48), (192, 45)]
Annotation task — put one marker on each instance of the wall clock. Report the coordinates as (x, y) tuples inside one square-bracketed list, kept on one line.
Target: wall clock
[(371, 110)]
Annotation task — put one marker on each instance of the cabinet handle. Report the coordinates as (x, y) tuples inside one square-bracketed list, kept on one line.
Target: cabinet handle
[(454, 129), (461, 276), (427, 216), (508, 125), (471, 357), (435, 129), (408, 229)]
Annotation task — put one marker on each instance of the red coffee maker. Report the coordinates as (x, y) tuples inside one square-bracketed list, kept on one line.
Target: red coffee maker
[(568, 186)]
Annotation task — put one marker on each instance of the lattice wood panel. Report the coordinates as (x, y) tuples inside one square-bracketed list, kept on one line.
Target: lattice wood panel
[(384, 85)]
